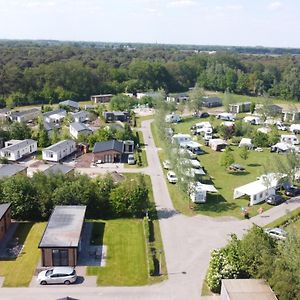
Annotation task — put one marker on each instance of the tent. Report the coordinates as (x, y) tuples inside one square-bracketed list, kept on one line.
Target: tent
[(257, 190), (245, 142)]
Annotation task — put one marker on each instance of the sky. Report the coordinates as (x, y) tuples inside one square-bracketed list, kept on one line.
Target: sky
[(274, 23)]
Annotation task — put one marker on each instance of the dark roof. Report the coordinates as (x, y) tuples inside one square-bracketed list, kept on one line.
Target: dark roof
[(60, 145), (25, 112), (108, 145), (211, 99), (20, 145), (3, 209), (53, 112), (64, 227), (79, 126), (58, 168), (11, 170), (70, 103)]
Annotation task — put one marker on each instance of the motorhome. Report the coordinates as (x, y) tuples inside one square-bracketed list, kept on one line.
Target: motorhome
[(253, 120), (289, 138), (226, 116)]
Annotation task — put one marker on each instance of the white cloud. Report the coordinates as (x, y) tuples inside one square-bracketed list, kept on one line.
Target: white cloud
[(275, 5), (182, 3)]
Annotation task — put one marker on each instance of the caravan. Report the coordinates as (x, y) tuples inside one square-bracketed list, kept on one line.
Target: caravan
[(172, 118)]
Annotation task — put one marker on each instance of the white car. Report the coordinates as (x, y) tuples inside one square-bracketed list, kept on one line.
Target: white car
[(171, 176), (64, 275), (277, 233), (131, 160), (166, 164)]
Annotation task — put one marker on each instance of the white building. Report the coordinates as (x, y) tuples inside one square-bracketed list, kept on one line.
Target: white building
[(79, 128), (16, 149), (55, 116), (181, 138), (59, 150), (81, 116), (260, 189), (148, 94), (25, 115)]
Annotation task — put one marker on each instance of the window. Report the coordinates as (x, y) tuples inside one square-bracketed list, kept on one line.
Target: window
[(60, 257)]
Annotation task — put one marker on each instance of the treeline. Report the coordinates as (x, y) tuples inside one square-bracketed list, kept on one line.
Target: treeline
[(258, 255), (47, 74), (34, 198)]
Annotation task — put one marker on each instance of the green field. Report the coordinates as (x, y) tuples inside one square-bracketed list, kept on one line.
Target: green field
[(221, 204), (126, 263), (19, 272), (126, 249)]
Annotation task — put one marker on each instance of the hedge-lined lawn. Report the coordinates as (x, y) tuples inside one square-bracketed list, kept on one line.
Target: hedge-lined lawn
[(126, 263), (19, 272)]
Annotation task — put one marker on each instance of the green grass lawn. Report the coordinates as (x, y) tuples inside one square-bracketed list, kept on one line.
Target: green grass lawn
[(221, 204), (126, 249), (19, 272), (126, 263), (139, 120)]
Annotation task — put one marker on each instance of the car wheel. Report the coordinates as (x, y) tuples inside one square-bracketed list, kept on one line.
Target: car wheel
[(43, 282), (67, 282)]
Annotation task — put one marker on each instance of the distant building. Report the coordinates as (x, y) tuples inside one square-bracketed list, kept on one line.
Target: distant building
[(81, 116), (79, 128), (112, 151), (104, 98), (59, 169), (73, 105), (148, 94), (61, 241), (25, 115), (59, 150), (12, 170), (4, 114), (17, 149), (5, 218), (112, 116), (247, 289), (178, 97), (290, 115), (273, 109), (236, 108), (55, 116), (211, 101)]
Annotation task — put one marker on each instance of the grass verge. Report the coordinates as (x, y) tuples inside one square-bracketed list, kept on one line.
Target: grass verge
[(19, 272)]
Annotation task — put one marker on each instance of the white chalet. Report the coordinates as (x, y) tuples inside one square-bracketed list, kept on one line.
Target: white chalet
[(55, 116), (17, 149), (59, 150), (81, 116), (79, 128)]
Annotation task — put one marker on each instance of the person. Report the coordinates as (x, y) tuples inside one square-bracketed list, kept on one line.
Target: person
[(260, 210)]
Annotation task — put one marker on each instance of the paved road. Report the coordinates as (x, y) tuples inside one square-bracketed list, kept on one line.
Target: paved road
[(188, 242)]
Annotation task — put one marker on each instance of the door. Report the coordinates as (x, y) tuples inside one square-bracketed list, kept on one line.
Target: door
[(60, 257)]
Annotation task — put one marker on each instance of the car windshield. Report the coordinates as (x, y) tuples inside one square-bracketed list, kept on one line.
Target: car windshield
[(49, 272)]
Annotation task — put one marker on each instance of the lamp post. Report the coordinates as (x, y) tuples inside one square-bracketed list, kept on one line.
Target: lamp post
[(160, 254)]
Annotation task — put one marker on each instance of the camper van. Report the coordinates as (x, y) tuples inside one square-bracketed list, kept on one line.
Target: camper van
[(172, 118), (289, 138), (226, 116), (253, 120), (192, 146), (295, 128)]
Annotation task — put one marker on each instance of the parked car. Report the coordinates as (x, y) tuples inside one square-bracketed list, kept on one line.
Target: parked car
[(63, 275), (292, 191), (171, 176), (201, 114), (274, 200), (277, 233), (131, 160), (166, 164), (236, 168)]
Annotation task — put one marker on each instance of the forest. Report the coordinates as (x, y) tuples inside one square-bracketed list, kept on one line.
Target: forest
[(32, 72)]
